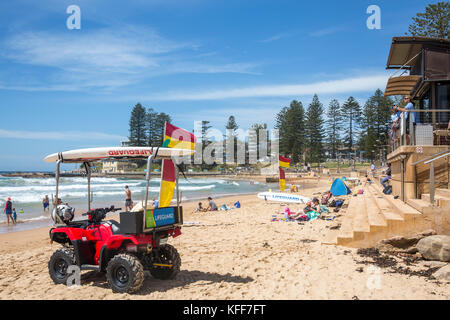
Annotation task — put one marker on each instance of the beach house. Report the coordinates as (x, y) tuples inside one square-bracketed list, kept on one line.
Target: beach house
[(419, 153), (420, 162)]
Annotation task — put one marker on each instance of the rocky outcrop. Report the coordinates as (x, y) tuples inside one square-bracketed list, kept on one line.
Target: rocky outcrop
[(443, 273), (436, 247), (403, 244)]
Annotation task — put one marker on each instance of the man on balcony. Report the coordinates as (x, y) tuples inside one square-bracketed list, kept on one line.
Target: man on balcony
[(415, 118)]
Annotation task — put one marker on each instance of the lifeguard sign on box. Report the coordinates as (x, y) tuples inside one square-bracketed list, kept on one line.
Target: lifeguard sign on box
[(159, 217), (132, 222)]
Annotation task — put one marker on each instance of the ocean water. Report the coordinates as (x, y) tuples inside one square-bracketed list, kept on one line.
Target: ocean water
[(27, 194)]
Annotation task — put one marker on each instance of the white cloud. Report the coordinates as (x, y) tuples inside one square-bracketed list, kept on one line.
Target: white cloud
[(326, 31), (276, 37), (104, 58), (54, 135), (348, 85)]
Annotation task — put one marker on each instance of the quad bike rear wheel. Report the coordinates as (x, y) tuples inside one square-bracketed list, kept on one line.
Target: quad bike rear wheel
[(58, 264), (167, 256), (125, 273)]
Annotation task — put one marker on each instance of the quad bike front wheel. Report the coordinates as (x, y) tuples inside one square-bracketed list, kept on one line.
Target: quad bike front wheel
[(58, 264), (125, 273), (165, 262)]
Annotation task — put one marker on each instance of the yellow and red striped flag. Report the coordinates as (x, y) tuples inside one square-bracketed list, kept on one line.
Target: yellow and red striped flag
[(167, 183), (282, 179), (175, 137), (284, 162)]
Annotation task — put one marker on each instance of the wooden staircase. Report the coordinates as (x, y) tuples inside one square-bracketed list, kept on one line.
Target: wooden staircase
[(373, 216)]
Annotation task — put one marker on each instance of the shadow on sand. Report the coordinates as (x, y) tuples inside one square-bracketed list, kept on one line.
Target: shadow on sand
[(151, 284)]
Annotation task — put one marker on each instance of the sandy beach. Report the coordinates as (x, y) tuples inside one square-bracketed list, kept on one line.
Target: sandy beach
[(238, 254)]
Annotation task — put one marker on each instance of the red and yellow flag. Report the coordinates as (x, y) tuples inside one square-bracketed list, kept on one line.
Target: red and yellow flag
[(282, 179), (178, 138), (284, 162), (167, 183)]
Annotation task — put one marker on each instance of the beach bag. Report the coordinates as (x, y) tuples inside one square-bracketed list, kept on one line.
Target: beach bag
[(339, 203), (237, 204), (360, 191), (333, 203), (387, 190)]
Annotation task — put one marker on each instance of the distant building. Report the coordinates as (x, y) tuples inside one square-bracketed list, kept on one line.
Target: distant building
[(117, 166), (124, 143)]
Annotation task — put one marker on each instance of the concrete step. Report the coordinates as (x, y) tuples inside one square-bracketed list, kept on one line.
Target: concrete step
[(361, 226), (374, 214), (405, 210), (439, 201), (386, 207), (345, 234), (397, 206), (443, 192), (418, 204)]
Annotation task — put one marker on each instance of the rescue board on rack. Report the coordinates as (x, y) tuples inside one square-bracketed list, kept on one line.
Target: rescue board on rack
[(95, 154)]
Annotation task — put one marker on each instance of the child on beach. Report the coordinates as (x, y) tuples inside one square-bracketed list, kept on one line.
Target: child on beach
[(200, 208), (14, 215)]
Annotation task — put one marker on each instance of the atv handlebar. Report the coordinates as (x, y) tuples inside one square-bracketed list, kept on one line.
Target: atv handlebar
[(105, 210)]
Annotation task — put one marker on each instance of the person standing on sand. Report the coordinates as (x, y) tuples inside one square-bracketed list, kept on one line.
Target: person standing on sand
[(128, 201), (8, 210), (45, 203)]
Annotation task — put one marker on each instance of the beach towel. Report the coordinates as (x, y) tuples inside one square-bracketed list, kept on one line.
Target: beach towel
[(324, 209), (312, 215)]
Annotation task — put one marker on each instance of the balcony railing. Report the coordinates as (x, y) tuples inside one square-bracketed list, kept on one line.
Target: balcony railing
[(426, 135)]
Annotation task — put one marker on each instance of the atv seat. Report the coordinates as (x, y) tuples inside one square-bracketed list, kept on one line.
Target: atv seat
[(115, 226), (78, 224)]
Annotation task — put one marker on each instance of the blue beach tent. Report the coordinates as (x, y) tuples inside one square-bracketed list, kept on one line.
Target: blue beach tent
[(339, 188)]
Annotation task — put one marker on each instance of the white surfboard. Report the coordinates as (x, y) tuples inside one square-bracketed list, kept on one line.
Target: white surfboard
[(95, 154), (283, 197)]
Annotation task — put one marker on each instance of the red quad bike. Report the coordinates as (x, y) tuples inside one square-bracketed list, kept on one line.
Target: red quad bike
[(121, 250)]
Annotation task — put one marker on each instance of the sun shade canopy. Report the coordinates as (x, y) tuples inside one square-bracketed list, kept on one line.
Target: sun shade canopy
[(405, 50), (402, 85)]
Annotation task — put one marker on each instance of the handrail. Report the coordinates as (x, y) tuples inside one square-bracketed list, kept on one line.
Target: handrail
[(431, 157), (441, 156), (430, 160), (428, 110)]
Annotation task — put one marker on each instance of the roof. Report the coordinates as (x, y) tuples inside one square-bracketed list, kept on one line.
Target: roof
[(402, 85), (405, 50)]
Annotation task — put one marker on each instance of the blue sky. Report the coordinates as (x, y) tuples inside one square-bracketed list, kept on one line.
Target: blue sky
[(194, 59)]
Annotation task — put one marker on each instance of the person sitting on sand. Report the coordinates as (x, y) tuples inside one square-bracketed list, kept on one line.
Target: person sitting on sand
[(212, 205)]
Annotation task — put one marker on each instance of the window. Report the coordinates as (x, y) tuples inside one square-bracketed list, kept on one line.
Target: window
[(442, 101)]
